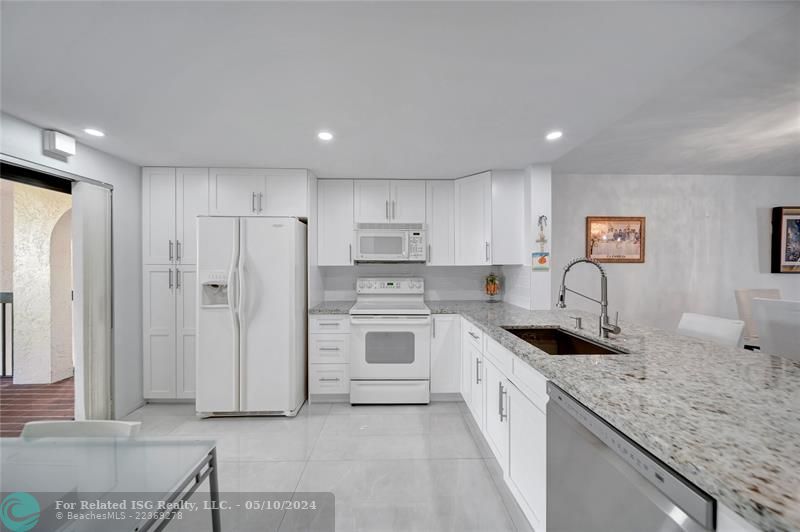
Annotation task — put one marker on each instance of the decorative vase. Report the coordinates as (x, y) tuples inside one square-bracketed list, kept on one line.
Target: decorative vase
[(493, 287)]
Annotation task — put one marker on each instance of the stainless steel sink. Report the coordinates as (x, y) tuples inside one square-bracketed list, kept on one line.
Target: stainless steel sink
[(555, 341)]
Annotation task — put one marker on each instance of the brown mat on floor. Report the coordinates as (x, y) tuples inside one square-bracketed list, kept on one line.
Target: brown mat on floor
[(20, 403)]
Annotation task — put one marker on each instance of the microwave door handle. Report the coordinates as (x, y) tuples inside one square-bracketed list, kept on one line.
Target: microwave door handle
[(405, 246)]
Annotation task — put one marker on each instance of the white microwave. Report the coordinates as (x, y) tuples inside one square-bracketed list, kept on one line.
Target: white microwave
[(391, 243)]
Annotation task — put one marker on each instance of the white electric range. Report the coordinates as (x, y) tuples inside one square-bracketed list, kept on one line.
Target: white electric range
[(390, 326)]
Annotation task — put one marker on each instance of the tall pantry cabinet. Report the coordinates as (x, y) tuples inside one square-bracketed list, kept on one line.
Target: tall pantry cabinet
[(172, 198)]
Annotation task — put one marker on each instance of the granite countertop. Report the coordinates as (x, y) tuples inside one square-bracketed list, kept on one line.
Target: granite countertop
[(725, 418), (332, 307)]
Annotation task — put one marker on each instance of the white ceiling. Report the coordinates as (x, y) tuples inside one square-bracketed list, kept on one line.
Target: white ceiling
[(409, 89), (738, 114)]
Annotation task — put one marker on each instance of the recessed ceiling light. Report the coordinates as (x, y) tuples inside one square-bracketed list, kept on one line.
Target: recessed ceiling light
[(94, 132), (325, 135), (554, 135)]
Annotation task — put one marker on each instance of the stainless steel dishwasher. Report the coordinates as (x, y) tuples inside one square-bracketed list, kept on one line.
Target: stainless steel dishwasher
[(598, 480)]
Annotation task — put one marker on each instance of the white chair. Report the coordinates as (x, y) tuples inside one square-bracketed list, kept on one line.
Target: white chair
[(778, 321), (744, 302), (720, 330), (81, 429)]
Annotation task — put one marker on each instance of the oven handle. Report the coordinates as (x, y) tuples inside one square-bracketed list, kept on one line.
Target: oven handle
[(390, 320)]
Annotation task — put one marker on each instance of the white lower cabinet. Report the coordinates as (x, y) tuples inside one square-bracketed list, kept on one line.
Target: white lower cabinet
[(513, 422), (476, 401), (445, 353), (169, 332), (496, 418), (186, 331), (527, 455), (328, 357)]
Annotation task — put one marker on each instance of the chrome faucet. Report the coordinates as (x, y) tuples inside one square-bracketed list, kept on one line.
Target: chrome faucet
[(604, 325)]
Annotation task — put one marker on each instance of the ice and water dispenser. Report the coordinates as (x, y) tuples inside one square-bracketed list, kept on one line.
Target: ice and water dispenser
[(214, 290)]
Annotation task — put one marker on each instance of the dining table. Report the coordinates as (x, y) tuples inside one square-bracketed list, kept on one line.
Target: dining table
[(109, 484)]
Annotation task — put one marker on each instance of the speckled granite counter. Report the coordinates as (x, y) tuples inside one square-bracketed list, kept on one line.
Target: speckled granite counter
[(725, 418), (332, 307)]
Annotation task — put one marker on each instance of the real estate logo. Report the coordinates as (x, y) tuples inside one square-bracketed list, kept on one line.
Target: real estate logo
[(19, 511)]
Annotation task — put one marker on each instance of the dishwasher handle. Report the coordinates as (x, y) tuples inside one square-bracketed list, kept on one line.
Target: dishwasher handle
[(690, 499)]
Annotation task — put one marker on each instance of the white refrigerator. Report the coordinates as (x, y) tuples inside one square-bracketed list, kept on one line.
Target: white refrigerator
[(251, 315)]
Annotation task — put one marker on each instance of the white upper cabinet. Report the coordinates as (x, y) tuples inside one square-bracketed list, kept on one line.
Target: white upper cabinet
[(158, 215), (372, 201), (473, 220), (407, 202), (171, 202), (508, 217), (286, 193), (440, 217), (385, 201), (191, 201), (258, 192), (236, 191), (335, 219)]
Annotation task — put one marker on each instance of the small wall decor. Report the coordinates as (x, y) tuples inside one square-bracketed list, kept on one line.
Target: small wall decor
[(615, 238), (540, 260), (786, 240)]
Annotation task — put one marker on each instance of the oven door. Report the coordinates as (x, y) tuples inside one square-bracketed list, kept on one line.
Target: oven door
[(390, 347), (381, 245)]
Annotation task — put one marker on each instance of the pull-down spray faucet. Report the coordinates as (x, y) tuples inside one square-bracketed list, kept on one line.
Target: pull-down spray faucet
[(604, 326)]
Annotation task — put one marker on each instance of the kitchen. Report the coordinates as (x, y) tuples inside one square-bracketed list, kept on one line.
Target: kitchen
[(475, 289)]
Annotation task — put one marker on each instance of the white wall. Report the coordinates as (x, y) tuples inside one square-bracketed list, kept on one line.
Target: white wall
[(441, 282), (705, 237), (524, 287), (23, 140)]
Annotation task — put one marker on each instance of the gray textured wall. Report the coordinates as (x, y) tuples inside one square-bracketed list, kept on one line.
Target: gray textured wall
[(706, 236)]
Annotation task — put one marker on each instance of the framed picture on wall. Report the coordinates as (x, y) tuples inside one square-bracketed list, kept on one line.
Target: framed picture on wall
[(615, 238), (786, 240)]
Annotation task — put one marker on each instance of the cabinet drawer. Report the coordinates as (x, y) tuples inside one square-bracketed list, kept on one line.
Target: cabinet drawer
[(329, 324), (532, 383), (499, 354), (329, 348), (329, 378), (471, 334)]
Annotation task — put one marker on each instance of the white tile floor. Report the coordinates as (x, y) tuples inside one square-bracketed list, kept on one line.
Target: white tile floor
[(390, 467)]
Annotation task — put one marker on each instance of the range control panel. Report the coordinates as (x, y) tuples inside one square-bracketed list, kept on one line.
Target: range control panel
[(390, 285)]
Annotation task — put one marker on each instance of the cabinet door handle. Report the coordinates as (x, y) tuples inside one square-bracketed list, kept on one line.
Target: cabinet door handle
[(329, 324), (351, 253), (473, 334), (170, 278), (178, 249), (433, 325), (170, 250), (387, 209), (253, 203), (477, 371), (328, 348), (177, 278), (487, 252), (325, 379), (394, 213), (260, 202), (500, 407)]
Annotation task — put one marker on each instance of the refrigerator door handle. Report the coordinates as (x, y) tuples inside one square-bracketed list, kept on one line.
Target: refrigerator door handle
[(232, 305), (240, 306)]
